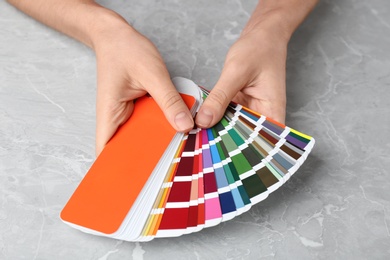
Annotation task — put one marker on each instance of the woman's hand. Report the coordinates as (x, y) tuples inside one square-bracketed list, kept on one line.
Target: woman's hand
[(253, 75), (254, 72), (128, 64), (128, 67)]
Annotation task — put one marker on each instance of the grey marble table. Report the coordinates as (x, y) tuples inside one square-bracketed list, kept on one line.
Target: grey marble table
[(337, 205)]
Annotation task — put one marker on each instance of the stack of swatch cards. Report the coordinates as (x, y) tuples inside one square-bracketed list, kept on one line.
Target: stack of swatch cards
[(151, 181)]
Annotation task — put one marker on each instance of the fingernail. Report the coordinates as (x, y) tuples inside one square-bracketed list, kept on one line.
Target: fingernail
[(204, 117), (183, 121)]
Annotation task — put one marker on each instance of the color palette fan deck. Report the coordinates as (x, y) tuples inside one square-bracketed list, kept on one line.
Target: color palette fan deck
[(150, 181)]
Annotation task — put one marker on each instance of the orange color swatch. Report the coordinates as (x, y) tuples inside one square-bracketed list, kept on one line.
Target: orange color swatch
[(110, 188)]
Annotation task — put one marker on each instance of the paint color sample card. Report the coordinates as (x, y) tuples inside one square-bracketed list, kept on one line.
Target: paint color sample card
[(150, 181)]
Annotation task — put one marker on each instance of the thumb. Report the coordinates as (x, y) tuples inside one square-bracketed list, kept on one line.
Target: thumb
[(173, 106), (219, 98), (110, 116)]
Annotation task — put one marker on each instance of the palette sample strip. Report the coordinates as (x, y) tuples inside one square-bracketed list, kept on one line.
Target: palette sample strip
[(213, 175)]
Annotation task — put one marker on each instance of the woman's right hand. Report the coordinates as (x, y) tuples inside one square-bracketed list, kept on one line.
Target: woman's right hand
[(128, 67)]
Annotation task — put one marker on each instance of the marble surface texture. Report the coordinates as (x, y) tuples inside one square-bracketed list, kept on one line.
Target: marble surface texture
[(338, 75)]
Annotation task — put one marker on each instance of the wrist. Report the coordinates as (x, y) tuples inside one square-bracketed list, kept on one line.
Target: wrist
[(278, 19), (104, 26), (269, 28)]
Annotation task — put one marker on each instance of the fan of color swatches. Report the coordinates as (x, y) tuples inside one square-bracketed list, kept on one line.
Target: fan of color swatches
[(152, 182)]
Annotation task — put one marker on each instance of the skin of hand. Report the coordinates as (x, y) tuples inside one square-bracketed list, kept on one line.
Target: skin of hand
[(253, 76), (129, 65), (254, 73)]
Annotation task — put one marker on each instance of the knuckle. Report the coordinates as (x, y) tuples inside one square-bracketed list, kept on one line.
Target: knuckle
[(218, 96), (170, 100)]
